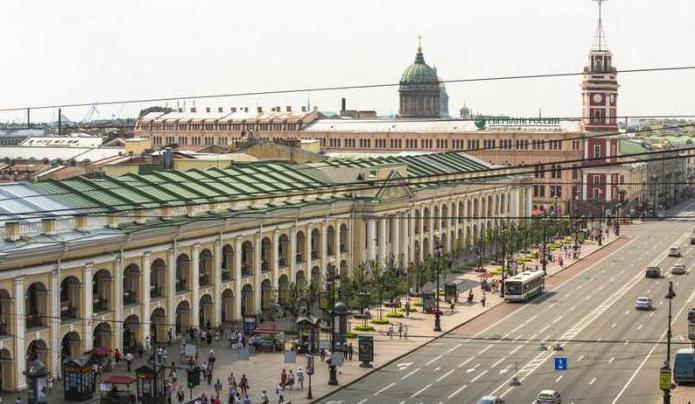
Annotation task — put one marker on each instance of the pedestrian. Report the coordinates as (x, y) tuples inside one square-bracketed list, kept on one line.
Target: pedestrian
[(170, 335), (279, 394), (244, 385), (482, 300), (389, 331), (322, 354), (283, 378), (129, 360), (405, 335), (345, 350), (180, 395), (117, 358), (300, 377), (264, 398), (400, 330), (407, 308), (290, 380), (350, 351), (218, 387)]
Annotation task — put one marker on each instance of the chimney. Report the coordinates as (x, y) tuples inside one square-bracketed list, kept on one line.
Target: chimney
[(193, 109), (207, 109), (219, 109), (288, 108), (303, 108), (246, 109), (343, 104), (180, 109), (278, 108), (259, 110), (233, 110), (12, 231), (48, 226)]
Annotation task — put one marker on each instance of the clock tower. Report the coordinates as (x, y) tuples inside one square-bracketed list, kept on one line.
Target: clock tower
[(599, 115)]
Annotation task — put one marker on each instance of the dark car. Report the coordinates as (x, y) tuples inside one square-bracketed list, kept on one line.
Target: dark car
[(653, 272), (691, 315)]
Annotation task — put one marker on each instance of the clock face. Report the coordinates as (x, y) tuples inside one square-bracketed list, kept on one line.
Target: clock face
[(597, 98)]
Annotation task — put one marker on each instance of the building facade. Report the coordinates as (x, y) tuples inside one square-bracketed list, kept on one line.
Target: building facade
[(113, 260)]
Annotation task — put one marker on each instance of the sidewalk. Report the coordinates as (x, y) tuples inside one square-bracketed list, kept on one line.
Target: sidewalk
[(264, 369)]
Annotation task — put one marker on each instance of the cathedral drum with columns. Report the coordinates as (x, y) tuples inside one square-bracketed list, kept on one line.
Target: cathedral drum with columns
[(109, 261)]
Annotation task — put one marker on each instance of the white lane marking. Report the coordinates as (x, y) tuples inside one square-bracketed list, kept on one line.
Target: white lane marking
[(484, 349), (580, 358), (611, 360), (556, 320), (572, 308), (453, 348), (614, 324), (646, 358), (531, 319), (410, 374), (362, 401), (445, 375), (559, 378), (473, 368), (592, 381), (601, 287), (640, 326), (578, 287), (513, 351), (588, 297), (462, 364), (479, 376), (457, 391), (502, 338), (551, 306), (661, 302), (569, 294), (651, 314), (627, 341), (600, 339), (437, 368), (649, 291), (627, 312), (421, 390), (519, 337), (385, 388), (544, 328), (494, 365), (436, 358), (505, 370), (533, 336), (517, 328)]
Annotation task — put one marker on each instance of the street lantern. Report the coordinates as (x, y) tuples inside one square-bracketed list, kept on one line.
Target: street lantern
[(437, 255), (36, 374), (666, 369)]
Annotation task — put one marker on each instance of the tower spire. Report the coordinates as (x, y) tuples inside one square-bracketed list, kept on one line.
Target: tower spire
[(419, 57), (600, 38)]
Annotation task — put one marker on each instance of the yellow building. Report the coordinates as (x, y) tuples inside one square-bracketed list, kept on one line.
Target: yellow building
[(108, 261)]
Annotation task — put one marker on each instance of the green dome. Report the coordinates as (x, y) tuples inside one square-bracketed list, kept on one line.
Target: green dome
[(419, 71)]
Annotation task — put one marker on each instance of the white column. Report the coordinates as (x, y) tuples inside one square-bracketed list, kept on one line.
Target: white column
[(257, 273), (118, 303), (145, 315), (19, 324), (195, 287), (529, 202), (217, 287), (237, 279), (514, 204), (324, 248), (455, 216), (585, 196), (609, 186), (54, 301), (307, 250), (293, 254), (396, 238), (88, 299), (171, 292), (276, 259), (405, 237), (350, 244), (371, 239), (381, 230), (336, 241)]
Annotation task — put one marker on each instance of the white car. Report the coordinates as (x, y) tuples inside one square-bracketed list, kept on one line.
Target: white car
[(674, 251), (643, 303), (490, 400), (678, 268), (549, 397)]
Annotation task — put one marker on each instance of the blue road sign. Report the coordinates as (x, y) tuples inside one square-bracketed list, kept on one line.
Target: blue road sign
[(560, 363)]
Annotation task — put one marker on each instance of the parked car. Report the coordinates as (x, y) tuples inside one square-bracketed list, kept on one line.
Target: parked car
[(684, 366), (490, 400), (691, 315), (692, 239), (653, 272), (549, 397), (678, 268), (643, 303)]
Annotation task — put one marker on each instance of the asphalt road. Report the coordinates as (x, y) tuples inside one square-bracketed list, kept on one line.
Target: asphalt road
[(612, 349)]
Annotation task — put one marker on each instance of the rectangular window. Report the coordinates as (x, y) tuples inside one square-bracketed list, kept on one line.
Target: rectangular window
[(597, 179), (597, 151)]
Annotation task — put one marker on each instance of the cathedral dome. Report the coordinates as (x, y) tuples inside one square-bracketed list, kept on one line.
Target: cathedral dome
[(419, 71)]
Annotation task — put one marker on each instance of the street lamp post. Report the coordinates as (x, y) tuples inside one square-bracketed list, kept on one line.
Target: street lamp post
[(504, 259), (437, 255), (544, 258), (667, 366)]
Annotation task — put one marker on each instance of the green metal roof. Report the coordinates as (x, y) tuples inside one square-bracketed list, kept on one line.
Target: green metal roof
[(420, 165)]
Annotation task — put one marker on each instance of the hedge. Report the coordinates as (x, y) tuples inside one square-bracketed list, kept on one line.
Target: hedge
[(382, 321), (363, 328), (394, 315)]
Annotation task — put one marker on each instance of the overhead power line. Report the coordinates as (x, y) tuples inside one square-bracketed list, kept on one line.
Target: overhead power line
[(334, 88)]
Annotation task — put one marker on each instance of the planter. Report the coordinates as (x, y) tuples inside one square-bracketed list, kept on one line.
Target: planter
[(363, 328)]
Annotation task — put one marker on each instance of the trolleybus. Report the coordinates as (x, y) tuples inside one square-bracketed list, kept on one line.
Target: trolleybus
[(523, 286)]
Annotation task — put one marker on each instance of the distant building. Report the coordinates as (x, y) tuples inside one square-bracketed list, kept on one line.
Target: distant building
[(421, 93)]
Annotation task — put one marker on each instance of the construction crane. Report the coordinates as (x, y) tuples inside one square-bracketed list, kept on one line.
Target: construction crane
[(88, 116)]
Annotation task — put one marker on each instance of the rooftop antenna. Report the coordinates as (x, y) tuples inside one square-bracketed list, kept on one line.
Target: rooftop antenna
[(600, 39)]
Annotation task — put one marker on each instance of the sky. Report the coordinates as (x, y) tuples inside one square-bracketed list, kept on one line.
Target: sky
[(75, 51)]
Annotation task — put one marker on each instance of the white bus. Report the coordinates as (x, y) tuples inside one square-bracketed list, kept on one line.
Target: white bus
[(523, 286)]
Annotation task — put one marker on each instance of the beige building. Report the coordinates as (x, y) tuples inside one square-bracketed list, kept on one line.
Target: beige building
[(108, 261)]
